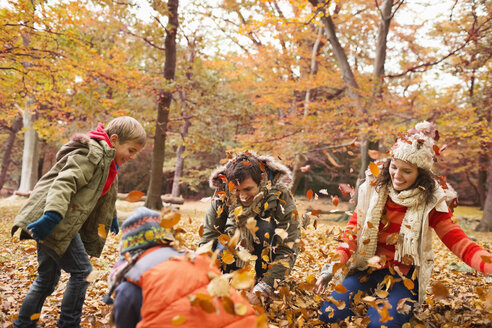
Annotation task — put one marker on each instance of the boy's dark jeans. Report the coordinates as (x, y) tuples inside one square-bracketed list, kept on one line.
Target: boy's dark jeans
[(76, 262)]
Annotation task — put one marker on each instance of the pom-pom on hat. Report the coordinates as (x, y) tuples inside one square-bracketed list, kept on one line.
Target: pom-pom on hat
[(417, 146), (143, 230)]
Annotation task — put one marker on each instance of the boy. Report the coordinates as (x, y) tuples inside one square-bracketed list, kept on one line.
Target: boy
[(256, 189), (66, 209), (180, 288)]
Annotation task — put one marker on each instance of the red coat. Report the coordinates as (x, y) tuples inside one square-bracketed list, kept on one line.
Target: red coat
[(167, 285)]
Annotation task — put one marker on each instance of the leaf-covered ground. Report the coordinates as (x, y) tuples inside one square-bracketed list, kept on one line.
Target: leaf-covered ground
[(469, 303)]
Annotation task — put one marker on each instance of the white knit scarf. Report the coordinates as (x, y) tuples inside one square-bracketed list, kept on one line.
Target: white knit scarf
[(408, 239)]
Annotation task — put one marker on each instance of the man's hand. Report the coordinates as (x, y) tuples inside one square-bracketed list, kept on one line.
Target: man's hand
[(41, 228), (115, 226), (325, 277)]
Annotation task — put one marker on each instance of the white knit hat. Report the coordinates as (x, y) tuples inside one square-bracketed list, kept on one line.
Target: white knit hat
[(417, 145)]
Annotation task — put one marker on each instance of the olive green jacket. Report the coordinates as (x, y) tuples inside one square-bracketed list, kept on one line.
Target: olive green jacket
[(73, 188), (281, 209)]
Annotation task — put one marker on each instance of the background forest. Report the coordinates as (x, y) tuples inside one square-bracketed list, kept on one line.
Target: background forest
[(323, 85)]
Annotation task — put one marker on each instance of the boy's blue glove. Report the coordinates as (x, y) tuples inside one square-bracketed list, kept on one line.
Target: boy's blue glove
[(115, 226), (44, 226)]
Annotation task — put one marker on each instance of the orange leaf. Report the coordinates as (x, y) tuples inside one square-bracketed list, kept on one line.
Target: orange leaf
[(486, 259), (231, 186), (246, 163), (170, 220), (340, 289), (101, 231), (436, 150), (315, 212), (309, 194), (374, 169), (408, 283), (35, 316), (374, 154), (334, 200), (134, 196)]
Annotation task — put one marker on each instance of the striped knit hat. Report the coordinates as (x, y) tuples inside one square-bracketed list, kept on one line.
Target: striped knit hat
[(143, 230)]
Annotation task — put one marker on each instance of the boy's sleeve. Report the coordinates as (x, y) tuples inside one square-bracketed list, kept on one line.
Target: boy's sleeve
[(286, 218), (76, 174)]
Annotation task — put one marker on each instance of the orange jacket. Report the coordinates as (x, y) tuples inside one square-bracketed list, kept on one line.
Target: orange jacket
[(167, 287)]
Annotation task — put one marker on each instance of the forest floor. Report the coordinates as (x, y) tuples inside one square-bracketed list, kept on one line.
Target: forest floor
[(469, 303)]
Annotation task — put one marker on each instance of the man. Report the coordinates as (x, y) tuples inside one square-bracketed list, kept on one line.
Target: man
[(252, 196)]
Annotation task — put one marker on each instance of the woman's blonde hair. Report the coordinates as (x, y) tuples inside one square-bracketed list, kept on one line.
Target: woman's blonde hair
[(127, 129)]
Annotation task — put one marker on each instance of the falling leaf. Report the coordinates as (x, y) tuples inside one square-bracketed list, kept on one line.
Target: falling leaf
[(246, 163), (205, 248), (224, 239), (178, 320), (170, 220), (281, 233), (265, 206), (382, 293), (436, 150), (340, 289), (323, 191), (231, 186), (238, 210), (374, 169), (306, 168), (219, 286), (309, 194), (346, 189), (251, 225), (35, 316), (334, 200), (408, 283), (228, 305), (240, 309), (374, 154), (392, 239), (200, 231), (101, 231), (227, 257), (486, 258), (134, 196), (242, 279)]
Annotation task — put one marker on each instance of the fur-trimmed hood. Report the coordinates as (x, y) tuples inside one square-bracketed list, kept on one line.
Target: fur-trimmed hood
[(77, 140), (284, 180)]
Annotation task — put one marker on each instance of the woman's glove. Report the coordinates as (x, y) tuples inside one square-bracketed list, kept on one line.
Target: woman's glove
[(325, 277), (44, 226), (115, 226)]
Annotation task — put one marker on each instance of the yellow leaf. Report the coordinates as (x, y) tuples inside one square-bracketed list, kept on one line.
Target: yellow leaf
[(242, 279), (101, 231), (35, 316), (238, 210), (178, 320), (340, 289), (374, 169), (240, 309), (265, 206), (227, 257)]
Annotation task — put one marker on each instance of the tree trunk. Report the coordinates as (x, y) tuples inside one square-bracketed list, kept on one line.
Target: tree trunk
[(296, 171), (486, 222), (7, 152), (178, 172), (29, 175), (155, 186), (314, 69)]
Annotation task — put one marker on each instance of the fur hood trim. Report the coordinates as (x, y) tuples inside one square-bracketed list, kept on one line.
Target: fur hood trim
[(284, 180)]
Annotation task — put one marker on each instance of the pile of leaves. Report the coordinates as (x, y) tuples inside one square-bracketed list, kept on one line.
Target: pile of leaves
[(458, 297)]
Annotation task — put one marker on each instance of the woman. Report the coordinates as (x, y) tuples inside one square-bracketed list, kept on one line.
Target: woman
[(387, 248)]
